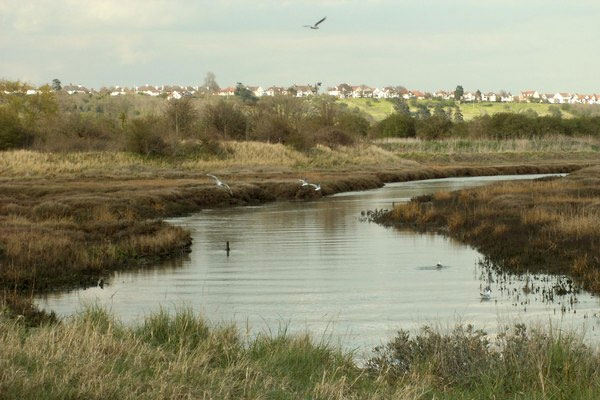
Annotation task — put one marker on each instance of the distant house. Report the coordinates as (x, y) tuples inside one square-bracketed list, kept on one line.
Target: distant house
[(228, 91), (257, 90), (490, 96), (117, 91), (334, 91), (469, 96), (561, 98), (72, 89), (303, 90), (148, 90), (362, 91), (32, 91), (507, 98), (417, 94), (174, 95), (548, 98), (529, 96), (274, 91), (384, 93)]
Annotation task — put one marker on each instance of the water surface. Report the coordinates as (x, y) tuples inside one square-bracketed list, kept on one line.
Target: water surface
[(316, 267)]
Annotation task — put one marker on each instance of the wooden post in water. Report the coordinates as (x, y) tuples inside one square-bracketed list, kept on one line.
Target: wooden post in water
[(227, 248)]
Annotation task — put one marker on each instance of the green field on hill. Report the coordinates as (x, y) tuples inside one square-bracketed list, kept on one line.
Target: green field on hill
[(379, 109)]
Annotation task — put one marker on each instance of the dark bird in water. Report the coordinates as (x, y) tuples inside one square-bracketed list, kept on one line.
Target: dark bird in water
[(220, 184), (316, 25)]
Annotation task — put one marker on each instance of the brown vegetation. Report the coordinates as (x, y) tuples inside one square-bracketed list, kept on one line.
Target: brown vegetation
[(547, 225)]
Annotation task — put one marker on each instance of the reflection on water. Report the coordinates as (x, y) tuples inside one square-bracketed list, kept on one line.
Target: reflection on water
[(317, 267)]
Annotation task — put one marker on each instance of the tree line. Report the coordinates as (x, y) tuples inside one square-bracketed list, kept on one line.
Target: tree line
[(54, 121)]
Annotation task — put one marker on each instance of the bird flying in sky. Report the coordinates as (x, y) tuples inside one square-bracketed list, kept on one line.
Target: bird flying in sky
[(316, 25)]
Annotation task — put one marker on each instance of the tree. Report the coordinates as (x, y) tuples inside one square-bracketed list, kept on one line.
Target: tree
[(458, 117), (438, 111), (458, 93), (56, 86), (400, 106), (422, 112), (478, 95), (245, 94), (181, 114), (210, 83)]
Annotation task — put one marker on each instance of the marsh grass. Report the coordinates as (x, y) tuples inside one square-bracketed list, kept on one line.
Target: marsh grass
[(238, 155), (180, 355), (472, 150), (548, 225)]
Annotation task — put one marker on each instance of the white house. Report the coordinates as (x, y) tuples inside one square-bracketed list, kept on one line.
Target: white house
[(257, 90), (32, 91), (529, 96), (174, 95), (274, 91), (507, 98), (148, 90), (117, 91), (490, 96), (72, 89), (303, 90), (228, 91), (381, 93), (561, 98), (548, 97), (469, 96)]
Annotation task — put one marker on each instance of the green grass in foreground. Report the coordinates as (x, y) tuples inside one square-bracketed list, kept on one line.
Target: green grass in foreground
[(180, 356)]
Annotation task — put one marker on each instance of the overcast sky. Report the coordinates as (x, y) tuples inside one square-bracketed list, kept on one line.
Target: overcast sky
[(547, 45)]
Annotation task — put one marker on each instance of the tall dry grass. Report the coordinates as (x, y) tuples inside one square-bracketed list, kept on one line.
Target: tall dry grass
[(180, 355), (240, 155)]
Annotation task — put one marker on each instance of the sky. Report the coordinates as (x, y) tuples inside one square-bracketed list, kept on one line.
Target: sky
[(491, 45)]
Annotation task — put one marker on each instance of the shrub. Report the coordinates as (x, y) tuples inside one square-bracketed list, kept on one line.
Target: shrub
[(224, 119), (12, 134), (332, 137), (352, 122), (396, 125), (144, 136), (435, 127)]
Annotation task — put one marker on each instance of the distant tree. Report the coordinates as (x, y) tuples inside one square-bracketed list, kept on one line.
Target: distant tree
[(555, 111), (181, 114), (478, 95), (400, 105), (422, 112), (458, 117), (345, 89), (245, 94), (438, 111), (210, 83), (56, 85), (459, 92)]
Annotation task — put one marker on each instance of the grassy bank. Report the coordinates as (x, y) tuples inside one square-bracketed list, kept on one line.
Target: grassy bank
[(181, 356), (379, 109), (543, 225)]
